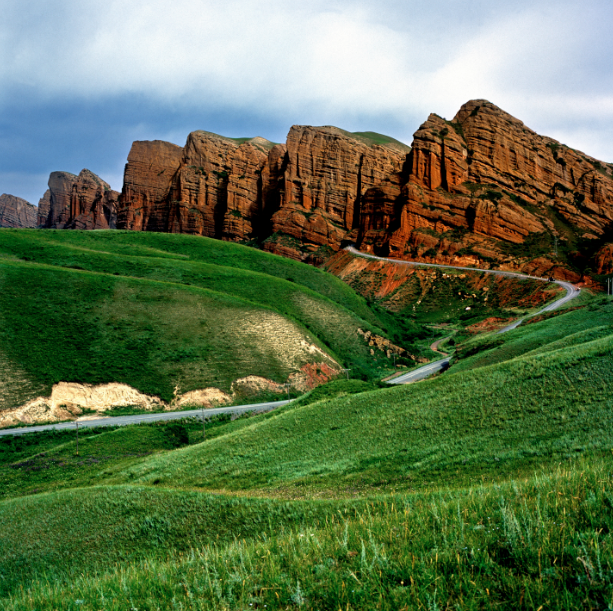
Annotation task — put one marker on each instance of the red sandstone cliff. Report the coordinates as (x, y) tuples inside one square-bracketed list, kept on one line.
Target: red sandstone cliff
[(212, 187), (327, 171), (143, 205), (16, 212), (79, 202), (44, 208), (482, 189)]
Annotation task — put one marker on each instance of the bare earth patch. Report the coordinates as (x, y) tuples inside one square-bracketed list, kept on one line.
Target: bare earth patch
[(68, 401)]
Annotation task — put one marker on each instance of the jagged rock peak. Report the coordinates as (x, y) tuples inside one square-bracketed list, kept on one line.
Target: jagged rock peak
[(79, 202)]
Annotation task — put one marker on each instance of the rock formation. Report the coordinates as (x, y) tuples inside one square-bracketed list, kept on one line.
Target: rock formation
[(327, 171), (482, 190), (44, 208), (78, 202), (212, 187), (604, 260), (150, 169), (16, 212)]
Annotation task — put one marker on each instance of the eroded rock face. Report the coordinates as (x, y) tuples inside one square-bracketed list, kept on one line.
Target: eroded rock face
[(327, 172), (147, 178), (302, 196), (80, 202), (481, 190), (604, 260), (486, 189), (44, 208), (211, 187), (17, 212)]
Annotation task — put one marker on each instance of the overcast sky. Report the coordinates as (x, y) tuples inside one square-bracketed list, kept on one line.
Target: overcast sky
[(81, 79)]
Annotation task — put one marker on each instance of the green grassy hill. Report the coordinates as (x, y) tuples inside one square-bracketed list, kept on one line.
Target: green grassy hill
[(580, 320), (522, 544), (449, 429), (486, 487), (157, 310)]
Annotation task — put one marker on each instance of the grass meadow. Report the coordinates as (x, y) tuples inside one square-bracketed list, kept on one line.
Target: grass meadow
[(155, 311), (486, 487)]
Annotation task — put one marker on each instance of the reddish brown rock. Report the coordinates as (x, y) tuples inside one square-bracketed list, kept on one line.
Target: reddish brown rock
[(481, 190), (80, 202), (604, 260), (148, 175), (302, 198), (211, 187), (485, 190), (17, 212), (44, 208), (218, 189), (405, 288), (327, 172)]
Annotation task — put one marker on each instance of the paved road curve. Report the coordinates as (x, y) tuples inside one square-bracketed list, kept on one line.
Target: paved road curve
[(427, 370), (123, 420)]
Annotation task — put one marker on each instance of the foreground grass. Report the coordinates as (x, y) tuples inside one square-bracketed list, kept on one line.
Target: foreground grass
[(61, 535), (482, 489), (543, 543)]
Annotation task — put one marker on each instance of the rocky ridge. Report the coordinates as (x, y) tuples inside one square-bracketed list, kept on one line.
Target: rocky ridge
[(78, 202), (480, 190), (300, 199), (485, 189), (16, 212)]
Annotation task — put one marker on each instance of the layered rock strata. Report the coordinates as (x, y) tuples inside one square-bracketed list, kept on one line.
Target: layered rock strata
[(298, 197), (327, 171), (482, 190), (78, 202), (212, 187), (485, 189), (17, 212)]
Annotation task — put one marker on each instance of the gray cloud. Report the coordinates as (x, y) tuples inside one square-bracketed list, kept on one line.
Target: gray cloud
[(352, 63)]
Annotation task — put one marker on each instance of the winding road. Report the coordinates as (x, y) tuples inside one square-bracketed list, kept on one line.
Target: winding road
[(427, 370)]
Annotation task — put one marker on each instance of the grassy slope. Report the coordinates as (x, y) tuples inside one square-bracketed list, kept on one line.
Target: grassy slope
[(522, 545), (101, 328), (583, 318), (193, 299), (526, 542), (27, 467), (448, 429), (96, 527), (33, 243)]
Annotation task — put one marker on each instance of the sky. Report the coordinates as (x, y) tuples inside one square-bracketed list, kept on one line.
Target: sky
[(81, 80)]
